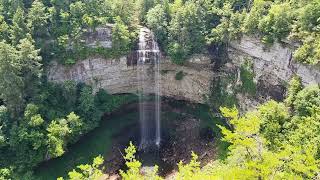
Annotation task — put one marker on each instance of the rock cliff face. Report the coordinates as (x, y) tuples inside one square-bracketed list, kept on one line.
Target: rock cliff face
[(120, 76), (275, 62), (101, 36), (273, 68)]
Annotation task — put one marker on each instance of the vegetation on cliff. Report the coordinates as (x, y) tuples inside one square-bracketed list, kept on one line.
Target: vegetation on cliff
[(276, 141), (186, 27), (38, 119)]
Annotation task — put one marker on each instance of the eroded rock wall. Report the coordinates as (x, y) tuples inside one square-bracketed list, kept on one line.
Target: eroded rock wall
[(275, 62), (273, 68), (120, 76)]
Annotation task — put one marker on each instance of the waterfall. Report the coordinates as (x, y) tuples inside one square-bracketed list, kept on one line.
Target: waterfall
[(150, 113)]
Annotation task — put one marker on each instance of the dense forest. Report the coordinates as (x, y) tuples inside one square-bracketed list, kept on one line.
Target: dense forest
[(39, 119)]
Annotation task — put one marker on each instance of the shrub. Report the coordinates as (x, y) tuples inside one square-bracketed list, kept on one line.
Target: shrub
[(179, 76)]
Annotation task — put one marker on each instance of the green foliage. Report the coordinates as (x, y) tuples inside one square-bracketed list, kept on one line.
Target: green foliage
[(37, 18), (271, 142), (5, 174), (258, 10), (247, 79), (4, 29), (92, 172), (309, 52), (186, 31), (38, 120), (294, 87), (229, 28), (144, 7), (134, 166), (223, 92), (58, 131), (307, 101), (31, 67), (189, 170), (179, 76), (273, 115), (59, 28), (10, 81), (185, 27), (251, 158), (177, 53), (179, 27), (19, 28), (120, 37), (277, 24), (293, 20), (20, 72), (157, 20), (59, 116)]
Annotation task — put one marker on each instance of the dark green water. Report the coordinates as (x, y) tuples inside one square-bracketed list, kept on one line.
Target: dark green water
[(124, 125)]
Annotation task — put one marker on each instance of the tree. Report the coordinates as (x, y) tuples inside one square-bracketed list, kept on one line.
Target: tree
[(86, 99), (70, 95), (189, 171), (37, 18), (144, 7), (27, 139), (157, 20), (134, 166), (277, 24), (75, 125), (4, 29), (230, 26), (186, 30), (294, 87), (257, 12), (249, 156), (58, 131), (126, 10), (307, 101), (308, 18), (120, 37), (4, 126), (5, 174), (11, 83), (274, 116), (31, 67), (92, 172), (309, 51), (19, 28), (32, 128)]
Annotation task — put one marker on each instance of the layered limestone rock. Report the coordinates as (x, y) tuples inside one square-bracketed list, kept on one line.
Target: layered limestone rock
[(273, 68), (274, 63), (120, 76), (99, 37)]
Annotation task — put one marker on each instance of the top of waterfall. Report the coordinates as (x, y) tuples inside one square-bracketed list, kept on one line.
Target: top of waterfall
[(148, 48), (147, 40)]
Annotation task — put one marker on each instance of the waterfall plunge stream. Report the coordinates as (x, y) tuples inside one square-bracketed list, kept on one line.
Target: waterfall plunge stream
[(149, 53)]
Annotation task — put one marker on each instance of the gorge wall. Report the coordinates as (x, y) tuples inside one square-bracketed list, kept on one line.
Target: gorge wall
[(120, 76), (273, 68), (275, 62)]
